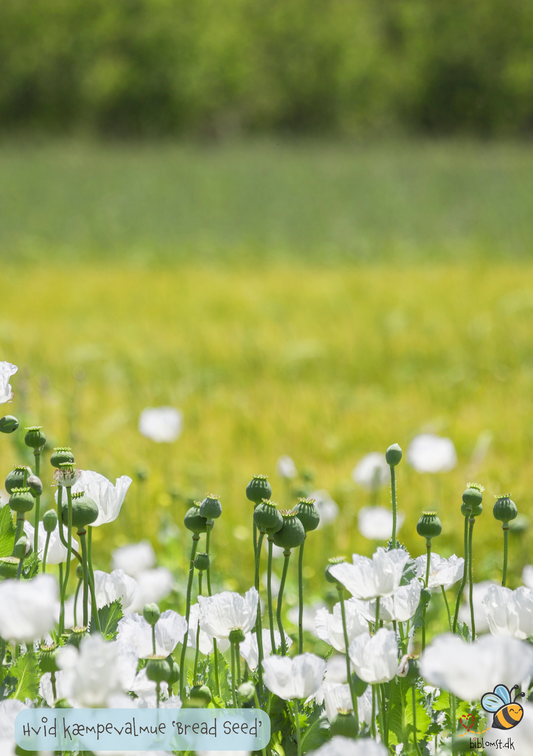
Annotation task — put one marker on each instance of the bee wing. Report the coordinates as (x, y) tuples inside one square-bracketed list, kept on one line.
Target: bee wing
[(503, 693), (491, 702)]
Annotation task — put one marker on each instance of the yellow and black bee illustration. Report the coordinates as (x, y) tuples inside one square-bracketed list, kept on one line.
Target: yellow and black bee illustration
[(507, 713)]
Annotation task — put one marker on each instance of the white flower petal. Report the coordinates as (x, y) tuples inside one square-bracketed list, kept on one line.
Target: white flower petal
[(375, 657), (375, 523), (6, 371), (431, 454), (28, 608), (372, 471), (134, 558), (161, 424), (226, 611)]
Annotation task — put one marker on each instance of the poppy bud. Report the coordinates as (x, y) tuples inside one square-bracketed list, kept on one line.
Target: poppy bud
[(84, 511), (258, 489), (329, 576), (429, 526), (393, 455), (200, 696), (158, 669), (267, 517), (194, 521), (9, 567), (8, 424), (35, 485), (21, 500), (201, 562), (236, 635), (16, 478), (211, 508), (345, 725), (472, 498), (35, 438), (505, 509), (151, 614), (50, 521), (60, 455), (307, 513)]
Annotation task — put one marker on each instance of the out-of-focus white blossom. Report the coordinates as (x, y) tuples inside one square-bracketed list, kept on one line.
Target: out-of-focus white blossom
[(375, 657), (399, 607), (308, 614), (169, 631), (134, 558), (480, 618), (250, 652), (369, 578), (372, 471), (509, 612), (8, 713), (329, 626), (428, 453), (6, 371), (375, 523), (286, 468), (341, 746), (109, 587), (161, 424), (527, 576), (28, 608), (327, 508), (442, 572), (227, 611), (299, 677), (152, 586)]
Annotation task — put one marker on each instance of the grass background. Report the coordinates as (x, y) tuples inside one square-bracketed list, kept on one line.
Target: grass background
[(321, 301)]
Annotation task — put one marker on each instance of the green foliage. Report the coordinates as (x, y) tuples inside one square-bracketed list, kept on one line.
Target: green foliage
[(224, 678), (24, 677), (7, 531), (109, 616)]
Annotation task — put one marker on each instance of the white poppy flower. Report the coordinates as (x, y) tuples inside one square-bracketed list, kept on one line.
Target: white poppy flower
[(6, 371), (169, 631), (327, 508), (521, 737), (146, 690), (109, 587), (478, 594), (337, 698), (509, 612), (399, 607), (206, 640), (375, 523), (97, 671), (335, 675), (134, 558), (46, 691), (57, 553), (308, 614), (369, 578), (299, 677), (107, 496), (341, 746), (431, 454), (161, 424), (375, 657), (442, 572), (28, 608), (372, 471), (250, 652), (471, 669), (527, 576), (8, 713), (286, 468), (227, 611), (152, 586), (329, 626)]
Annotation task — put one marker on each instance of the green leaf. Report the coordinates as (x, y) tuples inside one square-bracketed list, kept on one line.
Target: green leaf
[(418, 619), (409, 572), (26, 674), (7, 531), (109, 617), (317, 731), (395, 718), (31, 566), (223, 676), (422, 719), (442, 703)]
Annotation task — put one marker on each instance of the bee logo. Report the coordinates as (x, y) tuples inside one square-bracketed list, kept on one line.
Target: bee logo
[(507, 713)]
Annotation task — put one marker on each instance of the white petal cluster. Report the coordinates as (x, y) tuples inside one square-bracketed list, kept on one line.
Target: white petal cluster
[(152, 586), (400, 607), (340, 746), (369, 578), (107, 496), (372, 471), (428, 453), (442, 572), (375, 523), (57, 553), (471, 669), (169, 631), (509, 612), (9, 709), (134, 558), (28, 608), (375, 657), (297, 677), (6, 371), (250, 652), (478, 595), (114, 586), (205, 640), (161, 424), (227, 611), (329, 626)]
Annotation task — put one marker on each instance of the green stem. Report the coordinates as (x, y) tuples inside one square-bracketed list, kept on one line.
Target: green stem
[(447, 607), (37, 455), (286, 557), (94, 607), (158, 694), (19, 568), (19, 529), (393, 501), (258, 706), (428, 565), (471, 575), (301, 599), (233, 687), (154, 651), (77, 593), (298, 735), (463, 581), (453, 719), (238, 662), (183, 676), (340, 589), (377, 616), (210, 593), (373, 723), (259, 621), (381, 707), (269, 596), (505, 528), (415, 731), (83, 542), (391, 692), (197, 654), (62, 602), (46, 545), (69, 545)]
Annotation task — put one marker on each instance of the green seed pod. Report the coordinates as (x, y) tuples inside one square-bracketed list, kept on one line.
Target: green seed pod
[(201, 562), (35, 438), (8, 424), (331, 563), (20, 547), (393, 455), (158, 669), (21, 500), (211, 508), (60, 455), (474, 511), (246, 691), (84, 511), (50, 521), (194, 521), (292, 533), (258, 489), (200, 697), (79, 572), (429, 526), (307, 513), (174, 671), (151, 614), (48, 659), (505, 508), (9, 567), (16, 478), (267, 517), (473, 496), (345, 725), (35, 485), (236, 635), (76, 636), (359, 686)]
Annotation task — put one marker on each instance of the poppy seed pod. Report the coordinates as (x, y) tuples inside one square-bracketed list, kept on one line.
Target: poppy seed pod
[(194, 521), (35, 485), (8, 424), (429, 526), (60, 455), (21, 500), (505, 509), (79, 572), (16, 478), (9, 567), (393, 455), (48, 659), (200, 696), (474, 511), (174, 671), (211, 508), (267, 517), (472, 498), (236, 635), (84, 510), (331, 563), (345, 725), (201, 562), (158, 669), (258, 489), (50, 521), (151, 614), (307, 513), (292, 533), (20, 547), (76, 636), (35, 438)]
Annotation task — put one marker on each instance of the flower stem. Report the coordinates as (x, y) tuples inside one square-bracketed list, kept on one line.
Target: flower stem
[(19, 568), (153, 641), (415, 732), (377, 616), (19, 529), (197, 654), (505, 528), (209, 593), (340, 589), (286, 557), (453, 717), (183, 676), (463, 581), (471, 575), (301, 599), (393, 502), (447, 607), (428, 565), (233, 687), (37, 455), (298, 735), (83, 542), (77, 593), (269, 594), (62, 601), (259, 622), (94, 606), (46, 545), (69, 541)]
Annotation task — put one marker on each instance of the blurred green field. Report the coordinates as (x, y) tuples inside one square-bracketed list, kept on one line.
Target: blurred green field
[(275, 353)]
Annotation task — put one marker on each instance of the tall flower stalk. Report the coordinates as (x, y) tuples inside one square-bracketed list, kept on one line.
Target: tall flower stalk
[(308, 515), (429, 526), (289, 536), (505, 510), (393, 456)]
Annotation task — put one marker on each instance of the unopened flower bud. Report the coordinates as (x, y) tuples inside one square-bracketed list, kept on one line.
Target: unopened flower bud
[(79, 572), (211, 508), (472, 498), (246, 691), (307, 513), (17, 478), (20, 547), (258, 489), (50, 521), (35, 438), (408, 668), (393, 455), (194, 521), (21, 500), (35, 485), (158, 669), (200, 696), (60, 455), (201, 562), (429, 526), (505, 509), (331, 563), (8, 424), (151, 614)]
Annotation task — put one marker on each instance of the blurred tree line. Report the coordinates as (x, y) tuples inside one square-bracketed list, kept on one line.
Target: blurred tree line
[(210, 67)]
